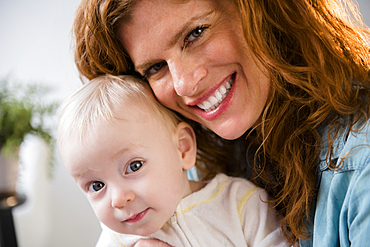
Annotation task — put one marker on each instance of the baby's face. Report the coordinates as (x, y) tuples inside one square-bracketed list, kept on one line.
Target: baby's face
[(131, 171)]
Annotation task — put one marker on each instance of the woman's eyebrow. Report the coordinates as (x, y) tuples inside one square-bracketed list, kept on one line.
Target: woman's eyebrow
[(176, 37), (185, 27)]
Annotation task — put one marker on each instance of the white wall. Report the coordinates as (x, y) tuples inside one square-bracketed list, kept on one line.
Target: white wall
[(365, 10), (35, 46)]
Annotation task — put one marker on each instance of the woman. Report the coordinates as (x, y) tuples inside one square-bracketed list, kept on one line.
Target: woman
[(290, 77)]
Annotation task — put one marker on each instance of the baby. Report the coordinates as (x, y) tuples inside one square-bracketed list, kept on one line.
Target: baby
[(130, 156)]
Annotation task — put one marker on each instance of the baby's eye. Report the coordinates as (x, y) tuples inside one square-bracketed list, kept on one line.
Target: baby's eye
[(96, 186), (134, 166), (194, 34)]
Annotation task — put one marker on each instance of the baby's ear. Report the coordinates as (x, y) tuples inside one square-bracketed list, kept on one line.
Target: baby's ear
[(187, 145)]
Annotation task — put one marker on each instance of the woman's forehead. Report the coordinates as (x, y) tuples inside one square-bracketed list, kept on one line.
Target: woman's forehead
[(155, 10)]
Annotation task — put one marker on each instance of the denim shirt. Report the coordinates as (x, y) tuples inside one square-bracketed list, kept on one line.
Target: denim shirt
[(341, 214)]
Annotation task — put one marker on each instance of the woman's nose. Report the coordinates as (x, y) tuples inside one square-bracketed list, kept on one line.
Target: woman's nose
[(121, 197), (186, 76)]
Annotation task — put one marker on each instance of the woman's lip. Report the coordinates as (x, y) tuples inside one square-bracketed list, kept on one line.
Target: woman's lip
[(221, 108), (136, 217), (210, 92)]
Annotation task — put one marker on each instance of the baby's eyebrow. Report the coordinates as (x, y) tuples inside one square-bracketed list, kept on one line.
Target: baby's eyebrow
[(132, 147), (82, 174)]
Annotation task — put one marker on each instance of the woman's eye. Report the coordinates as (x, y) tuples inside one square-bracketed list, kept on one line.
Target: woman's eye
[(194, 34), (96, 186), (134, 166), (154, 69)]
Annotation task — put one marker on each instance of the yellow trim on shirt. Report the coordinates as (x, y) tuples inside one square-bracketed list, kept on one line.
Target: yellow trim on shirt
[(165, 225), (116, 239), (199, 203), (204, 201), (244, 200)]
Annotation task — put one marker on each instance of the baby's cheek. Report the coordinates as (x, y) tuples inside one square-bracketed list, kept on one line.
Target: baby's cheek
[(101, 212)]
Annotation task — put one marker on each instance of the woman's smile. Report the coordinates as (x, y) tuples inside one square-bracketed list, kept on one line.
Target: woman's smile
[(216, 101), (217, 96)]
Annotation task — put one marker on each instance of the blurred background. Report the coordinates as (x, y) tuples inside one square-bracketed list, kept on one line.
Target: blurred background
[(35, 46)]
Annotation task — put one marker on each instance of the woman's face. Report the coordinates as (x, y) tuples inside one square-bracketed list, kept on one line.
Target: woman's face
[(194, 56)]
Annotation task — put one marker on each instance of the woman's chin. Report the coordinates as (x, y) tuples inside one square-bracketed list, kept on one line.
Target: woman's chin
[(229, 133)]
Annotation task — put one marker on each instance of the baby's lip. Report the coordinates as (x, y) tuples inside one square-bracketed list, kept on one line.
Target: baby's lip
[(136, 217)]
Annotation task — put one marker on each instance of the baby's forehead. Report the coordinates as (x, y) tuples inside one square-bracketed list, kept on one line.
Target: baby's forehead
[(101, 115), (144, 111), (134, 110)]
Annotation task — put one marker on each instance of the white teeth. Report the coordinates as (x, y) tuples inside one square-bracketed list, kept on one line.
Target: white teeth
[(206, 105), (218, 96), (213, 101), (222, 90), (228, 86)]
